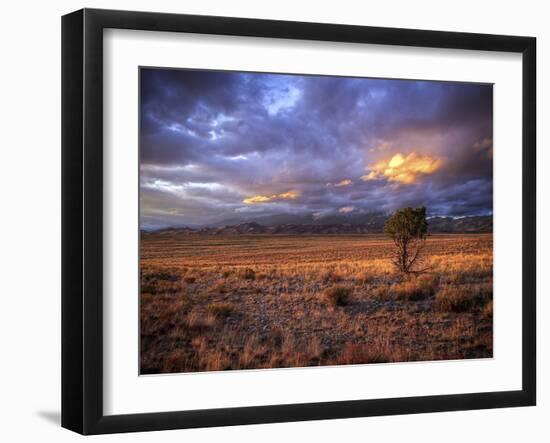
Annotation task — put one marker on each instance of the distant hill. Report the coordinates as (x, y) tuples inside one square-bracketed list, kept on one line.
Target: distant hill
[(332, 219), (464, 224), (373, 225)]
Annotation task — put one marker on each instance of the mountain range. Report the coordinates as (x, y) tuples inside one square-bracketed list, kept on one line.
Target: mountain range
[(357, 224)]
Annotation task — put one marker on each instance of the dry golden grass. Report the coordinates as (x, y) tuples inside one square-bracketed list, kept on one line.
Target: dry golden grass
[(238, 302)]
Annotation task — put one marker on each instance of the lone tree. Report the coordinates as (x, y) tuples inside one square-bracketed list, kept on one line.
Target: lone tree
[(408, 228)]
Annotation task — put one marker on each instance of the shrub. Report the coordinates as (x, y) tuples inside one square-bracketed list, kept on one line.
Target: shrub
[(408, 229), (338, 295), (220, 310), (457, 299), (247, 274), (277, 335), (416, 288)]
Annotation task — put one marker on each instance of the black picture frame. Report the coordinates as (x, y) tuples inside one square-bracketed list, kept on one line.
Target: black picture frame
[(82, 218)]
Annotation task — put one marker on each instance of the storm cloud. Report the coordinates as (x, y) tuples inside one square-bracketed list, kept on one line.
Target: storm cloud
[(218, 146)]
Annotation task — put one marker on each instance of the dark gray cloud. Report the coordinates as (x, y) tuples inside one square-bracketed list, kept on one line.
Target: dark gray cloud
[(221, 146)]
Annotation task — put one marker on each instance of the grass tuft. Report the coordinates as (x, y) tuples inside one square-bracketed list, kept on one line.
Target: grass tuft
[(338, 295), (220, 310), (416, 288), (363, 353), (451, 299), (247, 274)]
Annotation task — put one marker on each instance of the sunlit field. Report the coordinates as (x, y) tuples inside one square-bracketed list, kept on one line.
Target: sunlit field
[(213, 303)]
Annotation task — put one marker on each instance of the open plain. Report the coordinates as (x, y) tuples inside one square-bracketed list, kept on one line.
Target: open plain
[(211, 303)]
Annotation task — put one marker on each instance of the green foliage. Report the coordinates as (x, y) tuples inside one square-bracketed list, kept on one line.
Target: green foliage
[(408, 229), (407, 223)]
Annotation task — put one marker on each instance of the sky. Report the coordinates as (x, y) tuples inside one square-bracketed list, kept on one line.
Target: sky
[(218, 146)]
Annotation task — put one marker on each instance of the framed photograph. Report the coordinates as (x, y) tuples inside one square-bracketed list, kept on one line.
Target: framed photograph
[(269, 221)]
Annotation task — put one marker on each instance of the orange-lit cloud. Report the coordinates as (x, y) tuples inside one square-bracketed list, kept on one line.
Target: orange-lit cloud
[(346, 182), (290, 195), (403, 169), (346, 209), (370, 176)]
